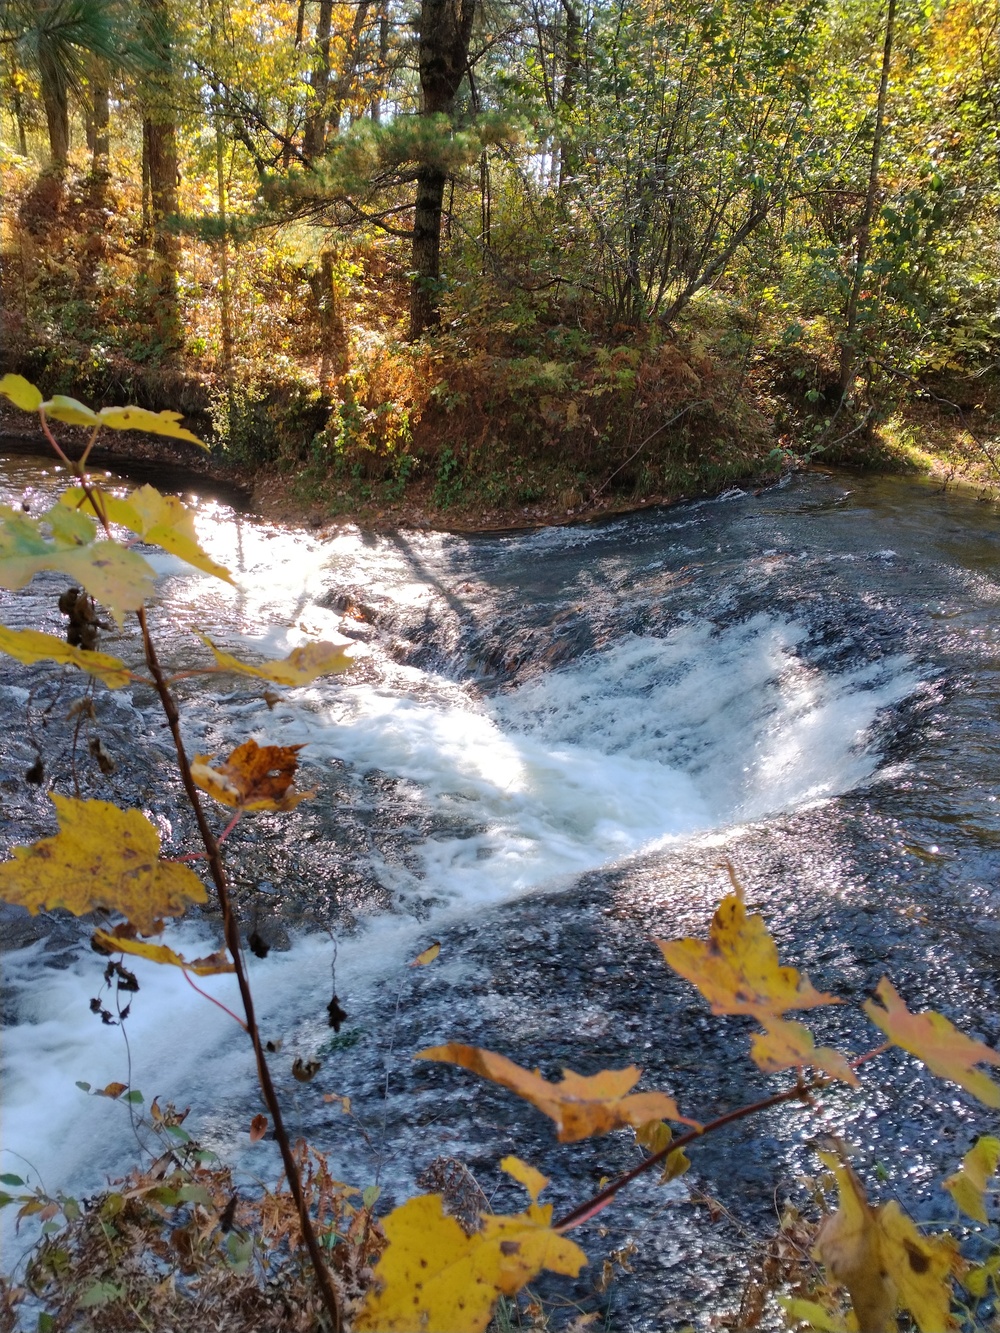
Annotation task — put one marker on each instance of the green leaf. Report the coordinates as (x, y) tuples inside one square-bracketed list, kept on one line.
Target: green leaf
[(117, 578), (195, 1193), (84, 1086), (22, 394), (100, 1293), (10, 1180), (46, 1323), (5, 1199), (135, 1096), (371, 1195), (181, 1134)]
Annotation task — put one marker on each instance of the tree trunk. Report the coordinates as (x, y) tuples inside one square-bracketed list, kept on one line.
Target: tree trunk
[(567, 93), (849, 340), (159, 133), (426, 253), (333, 335), (100, 95), (445, 30), (56, 102), (314, 136)]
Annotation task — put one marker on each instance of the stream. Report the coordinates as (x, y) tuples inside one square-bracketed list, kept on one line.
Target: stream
[(550, 744)]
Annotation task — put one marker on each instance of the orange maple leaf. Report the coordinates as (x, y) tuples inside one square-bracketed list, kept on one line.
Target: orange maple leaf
[(254, 777), (580, 1106)]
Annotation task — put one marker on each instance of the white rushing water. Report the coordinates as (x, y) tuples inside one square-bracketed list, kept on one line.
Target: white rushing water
[(645, 743)]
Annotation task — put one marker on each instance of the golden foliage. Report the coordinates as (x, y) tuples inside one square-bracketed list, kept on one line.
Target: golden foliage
[(117, 578), (738, 972), (883, 1260), (101, 857), (301, 667), (435, 1277), (788, 1045), (580, 1106), (968, 1185), (162, 520), (737, 968), (254, 777), (30, 645), (213, 964), (937, 1042), (17, 390)]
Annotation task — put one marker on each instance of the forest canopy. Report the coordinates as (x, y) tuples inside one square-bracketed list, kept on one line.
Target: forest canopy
[(500, 247)]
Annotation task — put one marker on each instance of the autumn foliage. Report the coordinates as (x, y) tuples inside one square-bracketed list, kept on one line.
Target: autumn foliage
[(418, 1267)]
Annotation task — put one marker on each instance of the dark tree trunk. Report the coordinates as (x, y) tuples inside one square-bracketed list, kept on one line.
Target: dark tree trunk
[(100, 95), (56, 102), (159, 134), (426, 253), (567, 93), (445, 30), (314, 136), (849, 343)]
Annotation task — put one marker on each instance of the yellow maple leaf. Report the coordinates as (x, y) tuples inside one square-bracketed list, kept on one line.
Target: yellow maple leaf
[(434, 1277), (110, 942), (21, 393), (884, 1261), (737, 968), (302, 665), (929, 1036), (968, 1185), (788, 1045), (525, 1174), (254, 777), (30, 645), (580, 1106), (161, 520), (849, 1246), (154, 423), (101, 857), (922, 1266)]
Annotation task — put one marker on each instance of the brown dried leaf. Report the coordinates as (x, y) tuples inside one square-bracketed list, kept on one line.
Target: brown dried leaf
[(254, 777)]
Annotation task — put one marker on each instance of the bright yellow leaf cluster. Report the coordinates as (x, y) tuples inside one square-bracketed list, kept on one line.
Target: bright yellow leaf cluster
[(161, 520), (737, 971), (937, 1042), (435, 1277)]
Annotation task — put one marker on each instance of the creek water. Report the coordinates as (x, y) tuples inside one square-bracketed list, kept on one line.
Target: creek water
[(549, 744)]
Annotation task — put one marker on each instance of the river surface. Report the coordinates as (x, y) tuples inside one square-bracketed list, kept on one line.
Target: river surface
[(550, 743)]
